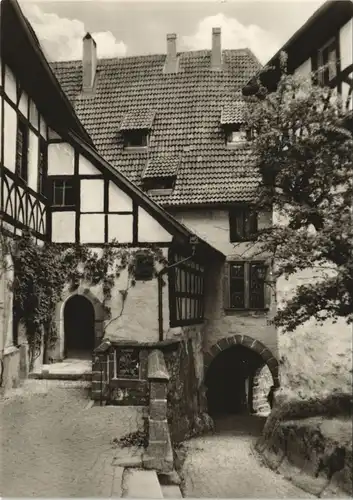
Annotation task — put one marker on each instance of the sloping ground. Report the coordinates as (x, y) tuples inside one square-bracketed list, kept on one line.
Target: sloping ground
[(310, 442)]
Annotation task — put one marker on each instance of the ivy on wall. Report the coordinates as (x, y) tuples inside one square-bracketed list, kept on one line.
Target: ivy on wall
[(41, 274)]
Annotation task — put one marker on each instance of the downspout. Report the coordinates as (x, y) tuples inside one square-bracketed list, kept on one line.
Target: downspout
[(160, 290)]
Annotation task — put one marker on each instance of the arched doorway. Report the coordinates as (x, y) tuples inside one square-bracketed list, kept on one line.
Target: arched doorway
[(229, 381), (79, 327)]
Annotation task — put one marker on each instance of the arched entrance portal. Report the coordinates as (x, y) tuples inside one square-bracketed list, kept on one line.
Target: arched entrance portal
[(79, 327), (229, 381), (230, 368)]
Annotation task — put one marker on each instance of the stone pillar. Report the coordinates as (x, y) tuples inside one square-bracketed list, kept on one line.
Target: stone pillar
[(159, 454)]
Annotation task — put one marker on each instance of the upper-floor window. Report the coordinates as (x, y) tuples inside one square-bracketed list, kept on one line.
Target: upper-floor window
[(42, 167), (22, 150), (64, 192), (245, 285), (327, 62), (135, 139), (242, 223)]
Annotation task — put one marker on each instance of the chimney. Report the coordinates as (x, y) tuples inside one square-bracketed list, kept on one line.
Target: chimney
[(171, 62), (216, 58), (89, 63)]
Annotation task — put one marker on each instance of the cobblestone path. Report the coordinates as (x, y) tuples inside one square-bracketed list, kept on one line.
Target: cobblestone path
[(54, 445), (224, 465)]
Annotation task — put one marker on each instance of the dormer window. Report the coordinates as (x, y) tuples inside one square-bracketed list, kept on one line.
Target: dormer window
[(232, 122), (160, 173), (136, 139), (237, 135), (135, 127)]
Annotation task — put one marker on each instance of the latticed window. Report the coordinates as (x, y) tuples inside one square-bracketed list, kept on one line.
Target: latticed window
[(64, 192), (127, 363), (42, 167), (22, 150), (242, 223), (245, 285), (186, 286)]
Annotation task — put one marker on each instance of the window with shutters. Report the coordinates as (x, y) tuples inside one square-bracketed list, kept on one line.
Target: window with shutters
[(242, 224), (245, 286), (186, 292)]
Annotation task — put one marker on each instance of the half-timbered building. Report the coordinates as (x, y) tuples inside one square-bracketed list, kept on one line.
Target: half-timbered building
[(55, 184)]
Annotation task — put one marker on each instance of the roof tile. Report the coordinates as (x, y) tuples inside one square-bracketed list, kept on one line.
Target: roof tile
[(187, 110)]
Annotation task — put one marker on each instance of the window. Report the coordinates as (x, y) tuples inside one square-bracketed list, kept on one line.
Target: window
[(242, 224), (159, 183), (327, 62), (42, 167), (127, 363), (22, 150), (135, 139), (63, 193), (236, 135), (144, 267), (186, 289), (245, 285)]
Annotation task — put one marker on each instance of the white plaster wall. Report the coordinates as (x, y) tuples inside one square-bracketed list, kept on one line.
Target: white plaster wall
[(213, 226), (85, 167), (149, 230), (92, 195), (10, 122), (10, 85), (92, 228), (23, 105), (60, 159), (120, 228), (33, 160), (43, 128), (63, 227), (304, 69), (33, 114), (6, 300), (118, 200)]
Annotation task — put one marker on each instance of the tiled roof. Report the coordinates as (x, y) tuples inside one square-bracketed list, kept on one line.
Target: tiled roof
[(162, 166), (138, 119), (187, 122), (233, 112)]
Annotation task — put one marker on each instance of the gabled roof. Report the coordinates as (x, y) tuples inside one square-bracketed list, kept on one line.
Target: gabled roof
[(75, 133), (187, 122)]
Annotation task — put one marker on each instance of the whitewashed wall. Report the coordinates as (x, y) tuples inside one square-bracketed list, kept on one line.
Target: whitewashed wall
[(346, 49)]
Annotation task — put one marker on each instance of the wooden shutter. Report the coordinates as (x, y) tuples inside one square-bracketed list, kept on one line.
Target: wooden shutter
[(226, 303), (268, 287)]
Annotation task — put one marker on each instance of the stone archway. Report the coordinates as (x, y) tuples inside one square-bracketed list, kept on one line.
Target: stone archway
[(58, 353), (230, 367)]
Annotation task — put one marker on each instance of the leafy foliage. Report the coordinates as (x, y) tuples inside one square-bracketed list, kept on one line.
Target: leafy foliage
[(41, 274), (304, 157)]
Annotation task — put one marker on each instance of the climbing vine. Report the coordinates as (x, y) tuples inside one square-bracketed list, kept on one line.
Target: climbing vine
[(41, 273)]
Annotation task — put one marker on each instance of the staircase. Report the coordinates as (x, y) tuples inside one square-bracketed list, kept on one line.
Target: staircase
[(145, 484)]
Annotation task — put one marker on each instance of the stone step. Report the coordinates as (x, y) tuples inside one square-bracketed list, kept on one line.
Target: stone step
[(171, 491), (141, 484)]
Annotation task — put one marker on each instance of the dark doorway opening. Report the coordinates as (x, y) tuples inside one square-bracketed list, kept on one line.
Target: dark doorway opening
[(229, 381), (79, 327)]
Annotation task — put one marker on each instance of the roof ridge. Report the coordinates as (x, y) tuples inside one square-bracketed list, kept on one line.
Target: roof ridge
[(140, 56)]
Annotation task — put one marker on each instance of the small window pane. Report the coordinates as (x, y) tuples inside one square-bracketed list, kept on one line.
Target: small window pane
[(257, 286)]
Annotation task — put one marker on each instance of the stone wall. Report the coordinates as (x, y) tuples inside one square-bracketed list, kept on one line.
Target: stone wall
[(186, 403)]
